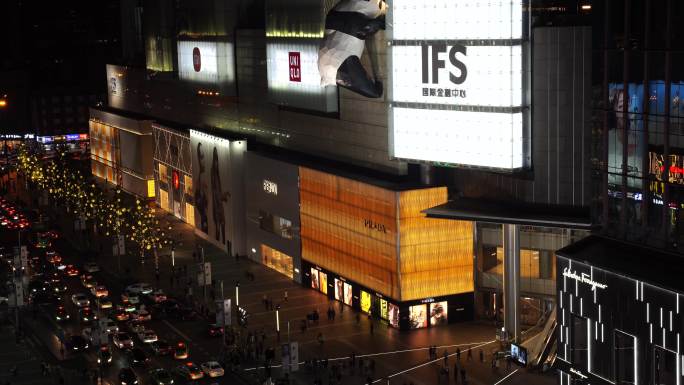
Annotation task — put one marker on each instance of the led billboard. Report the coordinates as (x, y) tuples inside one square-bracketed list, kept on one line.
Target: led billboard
[(208, 63), (456, 89)]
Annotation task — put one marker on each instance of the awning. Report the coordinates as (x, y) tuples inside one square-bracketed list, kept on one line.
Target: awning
[(508, 213)]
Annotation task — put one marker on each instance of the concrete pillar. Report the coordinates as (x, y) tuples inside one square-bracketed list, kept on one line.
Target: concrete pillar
[(511, 280), (427, 174)]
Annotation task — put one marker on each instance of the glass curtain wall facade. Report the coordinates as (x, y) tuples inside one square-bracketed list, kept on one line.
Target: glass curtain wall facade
[(639, 120)]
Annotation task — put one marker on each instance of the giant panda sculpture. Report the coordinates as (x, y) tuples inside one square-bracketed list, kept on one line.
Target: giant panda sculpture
[(347, 26)]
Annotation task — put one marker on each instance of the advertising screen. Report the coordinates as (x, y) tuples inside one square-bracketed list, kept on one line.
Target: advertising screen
[(208, 63), (348, 294), (293, 77), (457, 83), (439, 313), (365, 302), (625, 118), (519, 354), (323, 278), (384, 309), (393, 315), (315, 283), (417, 316), (339, 289), (211, 175)]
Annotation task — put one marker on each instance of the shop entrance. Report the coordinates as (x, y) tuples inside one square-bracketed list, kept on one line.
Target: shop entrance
[(664, 366)]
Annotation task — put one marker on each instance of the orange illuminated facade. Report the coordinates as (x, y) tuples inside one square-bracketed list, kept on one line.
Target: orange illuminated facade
[(379, 239)]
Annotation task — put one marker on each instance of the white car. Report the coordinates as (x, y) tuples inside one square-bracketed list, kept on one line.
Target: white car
[(148, 336), (91, 267), (140, 288), (212, 369), (80, 300), (110, 326), (99, 291), (122, 341)]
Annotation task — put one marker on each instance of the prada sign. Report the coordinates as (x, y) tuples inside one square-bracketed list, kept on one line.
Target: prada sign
[(370, 224)]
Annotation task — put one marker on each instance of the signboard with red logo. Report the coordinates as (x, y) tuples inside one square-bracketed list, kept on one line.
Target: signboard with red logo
[(196, 59), (175, 179), (295, 67)]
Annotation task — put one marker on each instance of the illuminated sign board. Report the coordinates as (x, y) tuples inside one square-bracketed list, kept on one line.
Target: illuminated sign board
[(270, 187), (209, 63), (457, 83), (583, 278), (293, 77)]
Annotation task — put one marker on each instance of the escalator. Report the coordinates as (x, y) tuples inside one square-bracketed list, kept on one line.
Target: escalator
[(541, 347)]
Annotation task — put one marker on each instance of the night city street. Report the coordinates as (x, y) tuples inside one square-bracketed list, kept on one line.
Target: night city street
[(341, 192)]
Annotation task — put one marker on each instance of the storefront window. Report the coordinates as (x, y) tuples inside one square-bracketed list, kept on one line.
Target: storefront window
[(439, 313), (393, 315), (315, 283), (625, 358), (277, 261), (323, 277), (190, 214), (164, 200), (275, 224), (365, 302), (417, 316), (188, 184), (339, 289), (601, 350), (579, 338), (163, 176), (347, 294)]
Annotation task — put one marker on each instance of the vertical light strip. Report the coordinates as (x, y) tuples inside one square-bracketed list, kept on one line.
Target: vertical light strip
[(588, 344), (648, 312), (636, 363), (677, 303), (596, 331), (571, 301), (661, 317), (670, 320), (664, 346), (599, 315), (637, 289), (601, 332), (650, 332), (642, 290), (581, 307), (560, 295)]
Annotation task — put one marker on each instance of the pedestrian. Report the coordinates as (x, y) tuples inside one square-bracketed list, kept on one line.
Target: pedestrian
[(508, 364), (333, 313), (463, 376), (456, 373), (320, 338), (458, 354), (446, 357), (194, 256), (470, 354), (285, 295), (481, 356), (264, 300)]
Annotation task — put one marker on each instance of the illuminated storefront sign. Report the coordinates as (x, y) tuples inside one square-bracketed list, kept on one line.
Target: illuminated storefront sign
[(61, 138), (207, 63), (583, 278), (270, 187), (370, 224), (293, 77), (457, 83)]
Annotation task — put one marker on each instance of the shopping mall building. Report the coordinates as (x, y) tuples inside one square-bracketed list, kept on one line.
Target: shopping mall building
[(497, 141)]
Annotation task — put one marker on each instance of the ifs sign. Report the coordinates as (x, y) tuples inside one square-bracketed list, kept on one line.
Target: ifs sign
[(457, 82)]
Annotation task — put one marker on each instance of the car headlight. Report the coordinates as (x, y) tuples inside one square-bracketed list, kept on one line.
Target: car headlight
[(109, 360)]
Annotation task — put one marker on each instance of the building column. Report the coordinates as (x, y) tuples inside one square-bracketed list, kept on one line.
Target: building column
[(511, 280)]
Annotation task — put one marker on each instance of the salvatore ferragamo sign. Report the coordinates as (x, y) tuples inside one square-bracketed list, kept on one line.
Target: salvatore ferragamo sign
[(583, 278)]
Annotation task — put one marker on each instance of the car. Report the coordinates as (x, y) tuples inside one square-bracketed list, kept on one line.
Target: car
[(104, 355), (137, 356), (122, 340), (190, 371), (157, 296), (215, 330), (58, 287), (104, 303), (180, 351), (139, 288), (80, 300), (183, 313), (110, 326), (87, 315), (87, 335), (71, 270), (53, 257), (131, 298), (212, 369), (87, 281), (61, 315), (38, 285), (160, 377), (126, 307), (148, 336), (161, 348), (44, 298), (127, 377), (119, 315), (76, 343), (140, 315), (91, 267), (99, 291)]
